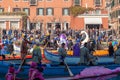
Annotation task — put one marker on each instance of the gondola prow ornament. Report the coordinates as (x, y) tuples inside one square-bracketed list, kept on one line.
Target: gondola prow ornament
[(84, 34)]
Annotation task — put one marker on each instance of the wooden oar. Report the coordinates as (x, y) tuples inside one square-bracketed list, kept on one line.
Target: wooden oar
[(70, 72), (22, 63), (20, 66)]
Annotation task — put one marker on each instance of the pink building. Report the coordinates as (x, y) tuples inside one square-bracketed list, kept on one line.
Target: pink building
[(52, 14)]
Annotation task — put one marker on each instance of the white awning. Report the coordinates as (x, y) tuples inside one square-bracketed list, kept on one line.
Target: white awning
[(93, 21)]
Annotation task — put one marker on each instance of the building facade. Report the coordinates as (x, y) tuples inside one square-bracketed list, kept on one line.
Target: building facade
[(52, 14), (115, 15), (98, 18)]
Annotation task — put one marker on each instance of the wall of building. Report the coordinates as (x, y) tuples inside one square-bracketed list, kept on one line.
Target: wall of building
[(105, 23), (75, 23)]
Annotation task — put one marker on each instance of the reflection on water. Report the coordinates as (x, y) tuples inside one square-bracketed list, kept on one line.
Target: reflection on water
[(115, 78), (109, 77)]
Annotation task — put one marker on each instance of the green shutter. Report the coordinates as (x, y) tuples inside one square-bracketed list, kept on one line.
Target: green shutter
[(52, 11), (62, 11)]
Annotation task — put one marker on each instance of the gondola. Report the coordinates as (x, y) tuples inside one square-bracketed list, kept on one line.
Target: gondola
[(51, 69), (75, 59)]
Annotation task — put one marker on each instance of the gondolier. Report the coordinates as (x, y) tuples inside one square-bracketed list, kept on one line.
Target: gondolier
[(37, 56), (84, 55), (62, 52), (11, 75), (117, 55), (24, 47)]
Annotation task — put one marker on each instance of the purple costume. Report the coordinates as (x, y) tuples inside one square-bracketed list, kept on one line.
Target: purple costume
[(63, 38), (76, 50), (34, 73)]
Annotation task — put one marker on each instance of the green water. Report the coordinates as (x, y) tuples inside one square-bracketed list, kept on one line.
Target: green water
[(109, 77), (115, 78), (98, 78), (2, 77)]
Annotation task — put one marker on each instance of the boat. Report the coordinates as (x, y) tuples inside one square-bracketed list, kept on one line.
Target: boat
[(103, 52), (16, 61), (50, 70), (75, 59)]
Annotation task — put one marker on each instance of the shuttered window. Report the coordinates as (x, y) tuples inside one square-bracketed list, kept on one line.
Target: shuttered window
[(1, 10), (76, 2), (16, 9), (49, 11), (65, 11), (97, 2), (40, 11), (26, 0), (16, 0), (26, 10)]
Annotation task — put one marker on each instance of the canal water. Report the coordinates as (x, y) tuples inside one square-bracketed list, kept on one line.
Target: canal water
[(110, 77)]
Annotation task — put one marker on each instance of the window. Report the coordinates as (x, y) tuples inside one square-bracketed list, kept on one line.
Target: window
[(25, 0), (65, 0), (119, 12), (26, 10), (1, 10), (0, 0), (16, 0), (33, 2), (66, 26), (49, 25), (49, 11), (2, 25), (14, 25), (40, 11), (40, 0), (76, 2), (16, 9), (49, 0), (65, 11), (112, 4), (116, 2), (97, 2), (97, 11)]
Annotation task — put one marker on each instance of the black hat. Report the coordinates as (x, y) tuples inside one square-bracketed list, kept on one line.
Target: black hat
[(25, 36)]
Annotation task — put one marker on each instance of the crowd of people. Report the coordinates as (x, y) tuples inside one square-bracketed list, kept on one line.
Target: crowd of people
[(59, 40)]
